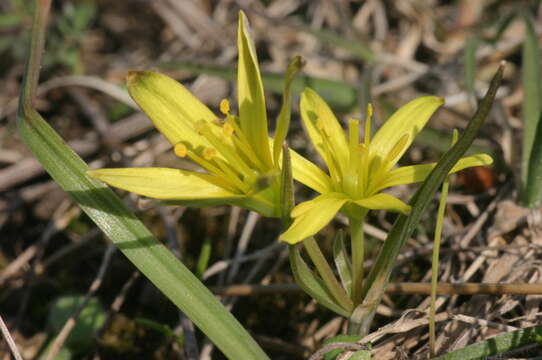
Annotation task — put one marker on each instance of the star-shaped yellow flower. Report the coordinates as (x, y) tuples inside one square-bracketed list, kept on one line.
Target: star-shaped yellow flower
[(241, 161), (359, 171)]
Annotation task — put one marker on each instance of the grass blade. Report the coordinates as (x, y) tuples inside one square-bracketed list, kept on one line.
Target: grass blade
[(470, 66), (497, 345), (342, 262), (110, 214), (532, 97), (312, 284)]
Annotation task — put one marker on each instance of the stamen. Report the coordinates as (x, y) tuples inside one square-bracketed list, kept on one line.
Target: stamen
[(225, 106), (209, 154), (363, 173), (218, 172), (351, 177), (228, 129), (353, 138), (368, 124), (226, 150), (242, 144), (180, 150)]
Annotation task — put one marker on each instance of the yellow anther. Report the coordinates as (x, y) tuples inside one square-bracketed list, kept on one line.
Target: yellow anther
[(180, 150), (369, 110), (224, 106), (228, 129), (209, 154)]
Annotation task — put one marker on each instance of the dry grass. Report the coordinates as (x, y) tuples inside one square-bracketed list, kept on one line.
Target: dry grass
[(50, 249)]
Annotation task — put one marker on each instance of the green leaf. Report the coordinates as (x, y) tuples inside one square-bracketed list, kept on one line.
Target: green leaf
[(497, 345), (110, 214), (89, 321), (161, 328), (470, 65), (283, 121), (287, 199), (310, 283), (204, 256), (404, 226), (342, 262), (532, 90), (533, 190)]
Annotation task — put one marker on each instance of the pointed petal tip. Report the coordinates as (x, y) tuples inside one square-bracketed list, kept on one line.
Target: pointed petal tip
[(132, 76)]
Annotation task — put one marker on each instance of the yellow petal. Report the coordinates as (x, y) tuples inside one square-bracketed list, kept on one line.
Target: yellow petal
[(252, 112), (319, 122), (171, 107), (408, 120), (314, 215), (384, 202), (309, 174), (417, 173), (162, 183)]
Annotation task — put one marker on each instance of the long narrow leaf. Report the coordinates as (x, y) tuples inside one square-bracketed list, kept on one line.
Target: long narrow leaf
[(155, 261), (533, 190), (498, 345), (470, 65), (404, 225), (532, 98), (312, 284), (342, 262)]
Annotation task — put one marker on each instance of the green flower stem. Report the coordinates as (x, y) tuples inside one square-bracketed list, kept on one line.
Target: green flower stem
[(435, 260), (325, 271), (358, 255), (435, 263)]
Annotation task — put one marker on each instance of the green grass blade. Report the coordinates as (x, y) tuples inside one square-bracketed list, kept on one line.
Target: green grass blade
[(533, 190), (404, 225), (203, 258), (342, 261), (470, 65), (283, 120), (338, 95), (532, 97), (312, 284), (110, 214), (497, 345)]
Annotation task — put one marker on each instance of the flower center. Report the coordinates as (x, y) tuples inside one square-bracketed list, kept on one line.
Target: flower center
[(230, 157)]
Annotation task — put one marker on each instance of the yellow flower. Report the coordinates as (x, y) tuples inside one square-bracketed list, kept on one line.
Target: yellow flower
[(236, 151), (358, 171)]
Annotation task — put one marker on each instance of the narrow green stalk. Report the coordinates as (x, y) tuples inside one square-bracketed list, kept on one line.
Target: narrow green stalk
[(326, 273), (435, 257), (358, 256), (434, 265)]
